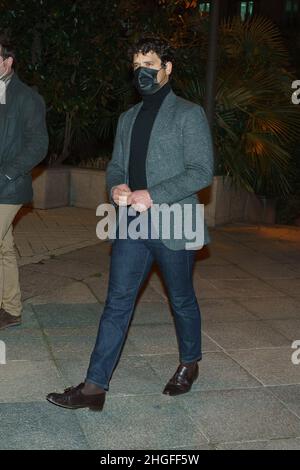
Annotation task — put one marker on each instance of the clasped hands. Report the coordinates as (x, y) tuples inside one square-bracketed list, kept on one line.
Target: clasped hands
[(140, 200)]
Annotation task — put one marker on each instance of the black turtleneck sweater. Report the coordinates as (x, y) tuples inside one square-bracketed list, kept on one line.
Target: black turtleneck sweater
[(140, 137)]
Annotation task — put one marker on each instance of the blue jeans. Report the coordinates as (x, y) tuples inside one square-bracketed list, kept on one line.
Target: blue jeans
[(131, 261)]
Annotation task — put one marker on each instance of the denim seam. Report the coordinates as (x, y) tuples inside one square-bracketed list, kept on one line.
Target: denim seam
[(129, 316), (188, 266)]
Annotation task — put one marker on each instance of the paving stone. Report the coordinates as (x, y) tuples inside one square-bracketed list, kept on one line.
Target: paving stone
[(286, 286), (271, 366), (148, 422), (39, 426), (240, 415), (244, 288), (41, 233), (152, 313), (269, 271), (98, 254), (69, 268), (217, 371), (240, 255), (222, 272), (68, 315), (224, 310), (274, 444), (289, 328), (70, 331), (244, 335), (282, 307), (73, 293), (279, 251), (76, 347), (22, 346), (289, 395), (27, 381), (204, 288), (34, 283), (213, 260), (22, 331)]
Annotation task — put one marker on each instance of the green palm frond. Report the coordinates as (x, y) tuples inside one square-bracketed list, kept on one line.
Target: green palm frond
[(256, 124)]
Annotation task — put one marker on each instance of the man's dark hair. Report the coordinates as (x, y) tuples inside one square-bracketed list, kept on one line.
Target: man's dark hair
[(7, 50), (147, 43)]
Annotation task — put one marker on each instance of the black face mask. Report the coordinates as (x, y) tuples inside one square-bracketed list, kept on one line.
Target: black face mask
[(145, 80)]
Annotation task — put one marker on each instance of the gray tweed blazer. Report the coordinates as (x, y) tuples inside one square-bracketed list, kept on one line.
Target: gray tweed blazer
[(179, 160)]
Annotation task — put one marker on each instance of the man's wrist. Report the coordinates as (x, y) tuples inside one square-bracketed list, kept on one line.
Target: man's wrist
[(111, 195), (149, 195)]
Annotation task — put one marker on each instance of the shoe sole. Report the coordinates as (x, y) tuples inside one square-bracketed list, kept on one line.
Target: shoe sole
[(10, 325), (91, 408)]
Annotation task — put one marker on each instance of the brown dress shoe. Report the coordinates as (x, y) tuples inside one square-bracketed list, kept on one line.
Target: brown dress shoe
[(182, 380), (7, 320), (73, 399)]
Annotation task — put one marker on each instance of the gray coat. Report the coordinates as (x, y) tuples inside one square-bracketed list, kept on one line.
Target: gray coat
[(23, 141), (179, 161)]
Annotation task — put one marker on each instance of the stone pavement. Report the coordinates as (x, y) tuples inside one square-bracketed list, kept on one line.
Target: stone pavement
[(248, 392), (40, 234)]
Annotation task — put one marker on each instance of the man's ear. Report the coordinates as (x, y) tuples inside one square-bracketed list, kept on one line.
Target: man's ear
[(10, 62), (168, 68)]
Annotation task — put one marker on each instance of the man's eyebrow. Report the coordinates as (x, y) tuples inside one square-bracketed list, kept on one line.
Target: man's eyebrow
[(149, 61)]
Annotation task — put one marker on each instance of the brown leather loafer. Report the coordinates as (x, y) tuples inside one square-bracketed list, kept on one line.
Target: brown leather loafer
[(7, 320), (73, 399), (182, 380)]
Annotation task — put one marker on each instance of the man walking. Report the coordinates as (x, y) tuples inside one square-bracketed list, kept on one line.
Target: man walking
[(162, 154), (23, 144)]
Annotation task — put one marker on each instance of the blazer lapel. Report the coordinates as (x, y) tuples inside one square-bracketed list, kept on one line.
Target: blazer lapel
[(162, 120), (128, 130)]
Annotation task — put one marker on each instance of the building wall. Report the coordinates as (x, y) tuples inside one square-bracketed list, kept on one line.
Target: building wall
[(273, 9)]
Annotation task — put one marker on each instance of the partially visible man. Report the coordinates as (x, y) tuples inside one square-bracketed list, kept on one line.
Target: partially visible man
[(23, 144)]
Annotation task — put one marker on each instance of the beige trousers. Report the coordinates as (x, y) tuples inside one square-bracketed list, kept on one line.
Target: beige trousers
[(10, 293)]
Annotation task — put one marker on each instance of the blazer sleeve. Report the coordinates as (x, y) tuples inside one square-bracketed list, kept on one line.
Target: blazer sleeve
[(36, 138), (198, 161), (115, 172)]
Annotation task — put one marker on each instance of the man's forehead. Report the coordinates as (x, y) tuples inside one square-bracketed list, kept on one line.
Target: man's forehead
[(148, 56)]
